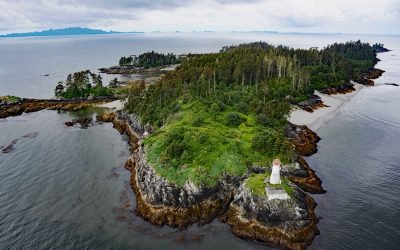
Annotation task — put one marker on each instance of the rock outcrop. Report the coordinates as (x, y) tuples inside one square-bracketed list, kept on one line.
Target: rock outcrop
[(304, 139), (288, 224), (33, 105), (305, 178), (128, 70), (161, 202), (164, 203), (368, 77), (84, 122), (341, 89), (374, 73), (313, 103), (305, 142)]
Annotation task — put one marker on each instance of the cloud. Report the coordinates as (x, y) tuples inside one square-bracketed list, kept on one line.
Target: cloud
[(221, 15)]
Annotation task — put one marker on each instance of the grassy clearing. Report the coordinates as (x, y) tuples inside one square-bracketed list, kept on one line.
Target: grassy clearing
[(255, 183)]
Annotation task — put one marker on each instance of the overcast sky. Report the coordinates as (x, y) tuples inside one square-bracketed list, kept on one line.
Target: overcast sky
[(346, 16)]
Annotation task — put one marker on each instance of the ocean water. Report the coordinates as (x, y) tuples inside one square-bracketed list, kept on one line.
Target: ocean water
[(25, 62), (66, 188), (358, 161)]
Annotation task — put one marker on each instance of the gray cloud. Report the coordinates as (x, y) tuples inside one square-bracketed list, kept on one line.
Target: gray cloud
[(135, 4), (299, 22), (168, 15)]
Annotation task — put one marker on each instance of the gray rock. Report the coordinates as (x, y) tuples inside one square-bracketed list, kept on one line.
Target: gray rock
[(274, 211)]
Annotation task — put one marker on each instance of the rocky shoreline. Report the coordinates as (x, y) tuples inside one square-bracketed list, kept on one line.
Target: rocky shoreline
[(369, 76), (311, 104), (127, 70), (289, 224), (341, 89), (315, 102), (305, 142), (32, 105)]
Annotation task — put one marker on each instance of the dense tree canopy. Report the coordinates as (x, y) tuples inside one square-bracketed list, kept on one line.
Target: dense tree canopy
[(83, 84), (233, 105), (257, 75), (149, 60)]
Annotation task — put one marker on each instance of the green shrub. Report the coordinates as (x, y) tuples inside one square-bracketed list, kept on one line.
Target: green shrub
[(214, 109), (202, 138), (233, 119), (221, 106), (197, 121), (9, 99), (263, 119), (176, 148), (263, 142), (242, 107), (176, 133)]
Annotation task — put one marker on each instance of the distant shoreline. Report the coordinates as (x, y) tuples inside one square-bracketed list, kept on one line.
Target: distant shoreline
[(73, 31)]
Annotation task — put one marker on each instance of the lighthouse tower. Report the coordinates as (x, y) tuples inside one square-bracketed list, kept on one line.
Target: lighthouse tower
[(275, 175), (273, 188)]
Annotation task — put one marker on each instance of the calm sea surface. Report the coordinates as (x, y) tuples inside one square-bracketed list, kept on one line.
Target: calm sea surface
[(66, 188)]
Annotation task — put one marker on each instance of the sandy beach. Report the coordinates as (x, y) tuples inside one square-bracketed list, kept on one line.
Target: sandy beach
[(117, 105), (321, 116)]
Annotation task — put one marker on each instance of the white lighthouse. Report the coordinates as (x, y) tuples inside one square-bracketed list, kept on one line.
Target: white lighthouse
[(275, 179), (275, 175)]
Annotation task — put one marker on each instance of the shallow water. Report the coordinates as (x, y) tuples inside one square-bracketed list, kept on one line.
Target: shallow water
[(66, 188)]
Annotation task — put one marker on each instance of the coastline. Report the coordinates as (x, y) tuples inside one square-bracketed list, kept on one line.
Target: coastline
[(287, 224), (334, 104), (181, 207), (32, 105), (278, 224), (114, 105)]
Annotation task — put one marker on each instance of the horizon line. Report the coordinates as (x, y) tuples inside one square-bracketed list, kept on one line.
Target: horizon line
[(113, 32)]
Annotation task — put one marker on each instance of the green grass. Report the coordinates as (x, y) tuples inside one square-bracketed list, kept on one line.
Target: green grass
[(199, 146), (9, 99), (255, 183)]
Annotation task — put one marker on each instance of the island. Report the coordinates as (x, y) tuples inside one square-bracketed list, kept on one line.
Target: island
[(71, 31), (205, 135), (211, 138), (146, 62)]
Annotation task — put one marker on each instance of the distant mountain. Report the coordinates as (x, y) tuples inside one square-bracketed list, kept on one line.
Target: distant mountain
[(64, 32)]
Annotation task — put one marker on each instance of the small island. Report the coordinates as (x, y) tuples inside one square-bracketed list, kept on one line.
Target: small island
[(85, 84), (146, 62), (205, 135), (211, 138)]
